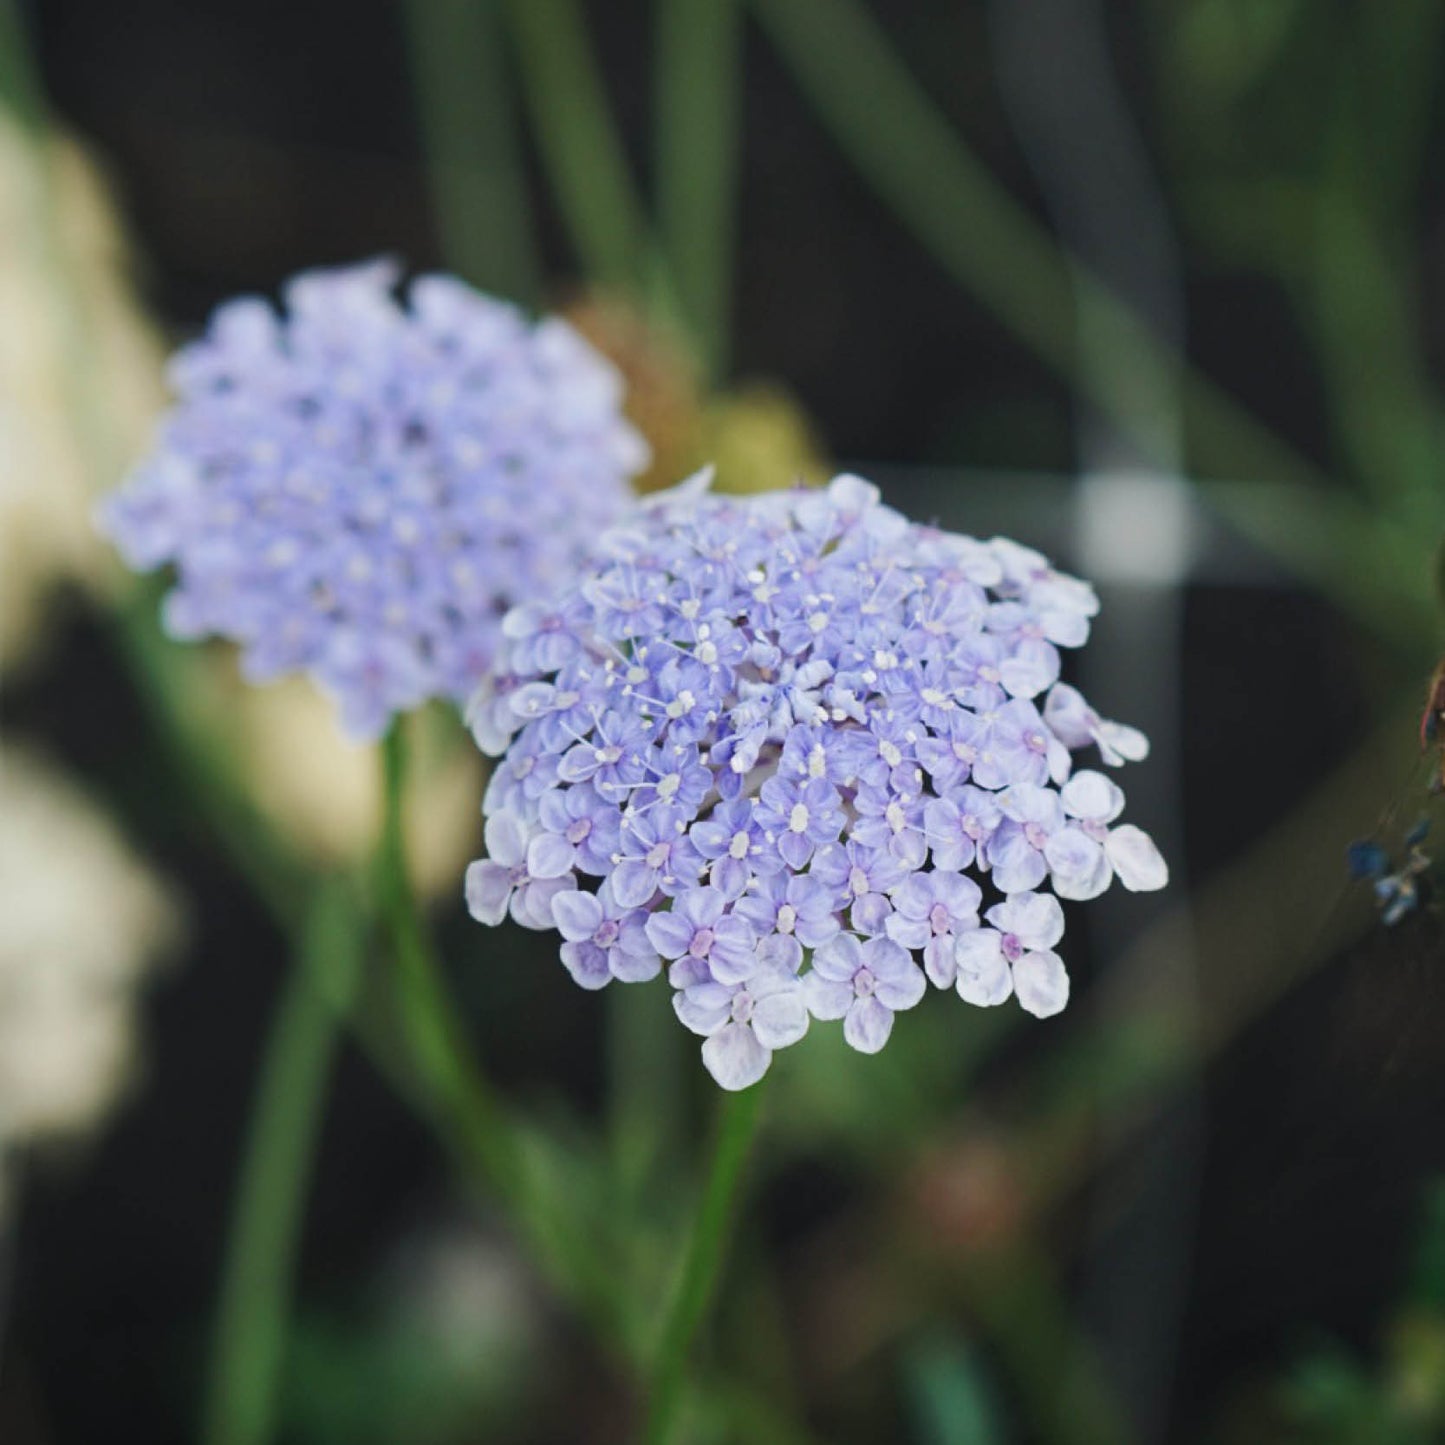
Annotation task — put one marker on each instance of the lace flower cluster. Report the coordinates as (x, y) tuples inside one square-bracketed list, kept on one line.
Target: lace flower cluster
[(359, 489), (780, 746)]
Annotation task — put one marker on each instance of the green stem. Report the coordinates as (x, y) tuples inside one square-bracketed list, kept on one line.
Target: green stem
[(698, 92), (464, 103), (449, 1075), (737, 1124), (448, 1084), (579, 142), (19, 87), (256, 1285)]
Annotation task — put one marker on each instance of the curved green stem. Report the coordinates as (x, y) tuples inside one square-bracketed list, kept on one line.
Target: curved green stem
[(449, 1084), (737, 1124), (579, 143), (255, 1295), (453, 1083), (699, 92)]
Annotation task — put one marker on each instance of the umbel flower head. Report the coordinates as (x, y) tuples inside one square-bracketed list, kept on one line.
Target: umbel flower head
[(781, 745), (359, 489)]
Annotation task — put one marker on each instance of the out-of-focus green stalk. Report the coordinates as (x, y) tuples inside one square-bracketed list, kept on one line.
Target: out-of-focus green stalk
[(18, 86), (702, 1262), (446, 1082), (579, 142), (1361, 300), (473, 157), (912, 157), (645, 1050), (250, 1329), (1399, 56), (445, 1065), (698, 93)]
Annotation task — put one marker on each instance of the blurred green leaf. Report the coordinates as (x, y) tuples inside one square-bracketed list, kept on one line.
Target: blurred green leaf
[(699, 94), (1226, 45), (579, 142), (473, 158), (1427, 1271), (253, 1310), (947, 1394)]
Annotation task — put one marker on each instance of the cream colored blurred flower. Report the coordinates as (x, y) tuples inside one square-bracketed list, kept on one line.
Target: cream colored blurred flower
[(324, 791), (758, 432), (80, 375), (82, 921), (751, 434)]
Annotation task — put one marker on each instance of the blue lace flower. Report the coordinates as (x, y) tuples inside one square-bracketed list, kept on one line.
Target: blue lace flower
[(360, 489), (807, 735)]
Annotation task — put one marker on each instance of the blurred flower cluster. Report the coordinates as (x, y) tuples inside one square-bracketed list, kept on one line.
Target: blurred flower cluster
[(359, 489), (798, 728)]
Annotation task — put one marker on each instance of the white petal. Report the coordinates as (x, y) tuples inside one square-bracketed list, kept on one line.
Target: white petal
[(1139, 864), (1092, 796), (1119, 743), (839, 959), (852, 493), (827, 997), (867, 1025), (506, 839), (704, 1008), (489, 886), (1031, 670), (549, 855), (1041, 983), (983, 974), (1077, 865), (1036, 918), (735, 1058), (780, 1019)]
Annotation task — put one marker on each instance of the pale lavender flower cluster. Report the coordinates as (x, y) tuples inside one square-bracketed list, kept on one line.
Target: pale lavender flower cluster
[(359, 489), (782, 744)]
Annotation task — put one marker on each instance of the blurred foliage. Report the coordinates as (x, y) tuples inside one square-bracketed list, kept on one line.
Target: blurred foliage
[(948, 1396), (1332, 1397), (450, 1334)]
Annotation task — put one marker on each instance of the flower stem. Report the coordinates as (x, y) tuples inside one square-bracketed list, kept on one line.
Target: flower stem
[(250, 1326), (580, 146), (452, 1083), (737, 1124), (699, 97), (474, 163)]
